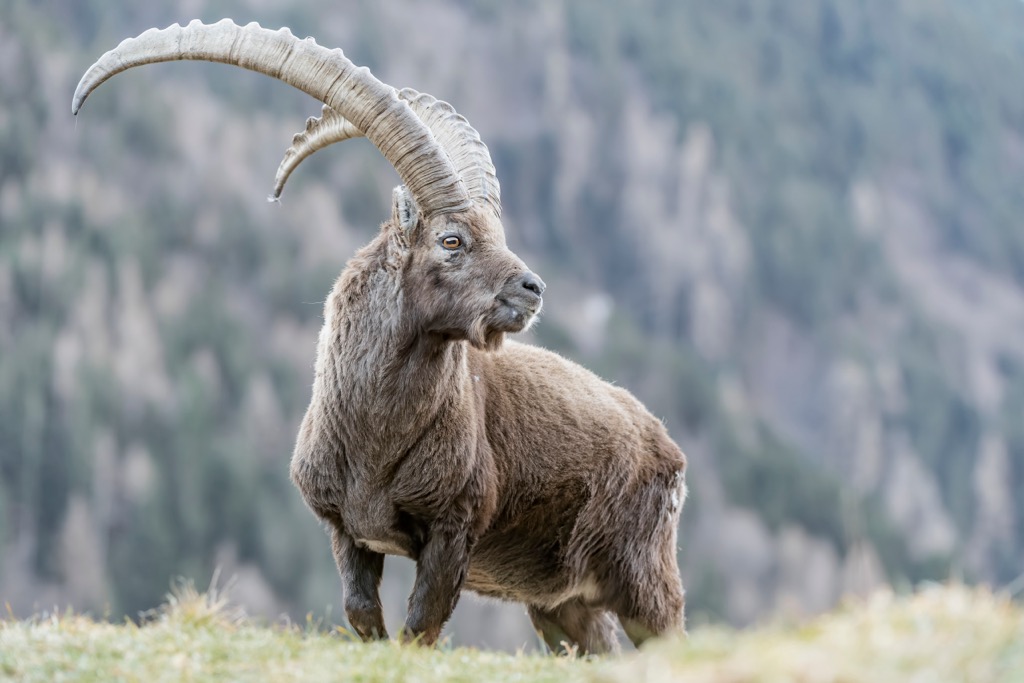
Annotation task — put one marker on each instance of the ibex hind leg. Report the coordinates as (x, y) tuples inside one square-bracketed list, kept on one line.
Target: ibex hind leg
[(575, 624), (652, 606), (648, 595)]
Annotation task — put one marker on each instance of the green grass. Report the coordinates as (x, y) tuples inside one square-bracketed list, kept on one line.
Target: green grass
[(940, 634), (949, 633)]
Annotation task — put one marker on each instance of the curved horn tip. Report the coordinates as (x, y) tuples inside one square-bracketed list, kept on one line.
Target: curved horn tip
[(275, 194), (78, 100)]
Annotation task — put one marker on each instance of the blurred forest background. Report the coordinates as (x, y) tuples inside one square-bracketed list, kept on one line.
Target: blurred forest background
[(793, 229)]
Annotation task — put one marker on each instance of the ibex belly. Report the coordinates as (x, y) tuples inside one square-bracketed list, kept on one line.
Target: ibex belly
[(527, 563), (545, 590)]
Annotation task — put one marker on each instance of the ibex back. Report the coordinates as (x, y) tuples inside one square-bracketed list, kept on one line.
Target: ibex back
[(498, 467)]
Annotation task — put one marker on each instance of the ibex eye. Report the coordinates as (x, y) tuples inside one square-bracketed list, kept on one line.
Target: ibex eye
[(451, 242)]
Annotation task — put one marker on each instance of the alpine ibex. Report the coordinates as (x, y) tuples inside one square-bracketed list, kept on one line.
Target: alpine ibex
[(498, 467)]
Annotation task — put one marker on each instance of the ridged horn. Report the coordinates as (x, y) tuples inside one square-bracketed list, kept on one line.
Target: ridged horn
[(327, 75), (458, 138), (462, 143), (328, 128)]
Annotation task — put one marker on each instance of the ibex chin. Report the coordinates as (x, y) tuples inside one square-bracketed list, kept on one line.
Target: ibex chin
[(497, 467)]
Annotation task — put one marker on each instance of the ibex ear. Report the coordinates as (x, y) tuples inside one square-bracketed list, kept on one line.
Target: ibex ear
[(404, 212)]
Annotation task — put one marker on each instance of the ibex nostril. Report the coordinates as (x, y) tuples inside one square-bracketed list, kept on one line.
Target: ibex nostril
[(534, 283)]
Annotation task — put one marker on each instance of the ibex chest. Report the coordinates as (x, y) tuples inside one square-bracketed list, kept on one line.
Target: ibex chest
[(381, 527), (391, 512)]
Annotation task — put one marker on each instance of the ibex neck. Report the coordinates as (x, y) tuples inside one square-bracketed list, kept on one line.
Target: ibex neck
[(388, 382)]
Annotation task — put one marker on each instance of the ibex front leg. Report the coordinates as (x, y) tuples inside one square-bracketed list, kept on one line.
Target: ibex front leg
[(360, 571), (440, 573)]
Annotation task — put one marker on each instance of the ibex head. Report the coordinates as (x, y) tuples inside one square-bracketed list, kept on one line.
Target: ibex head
[(460, 280)]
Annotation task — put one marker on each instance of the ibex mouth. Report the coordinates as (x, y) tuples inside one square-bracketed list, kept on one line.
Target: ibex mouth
[(521, 299), (516, 315)]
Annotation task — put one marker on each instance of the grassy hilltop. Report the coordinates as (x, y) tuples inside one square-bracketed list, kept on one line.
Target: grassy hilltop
[(939, 634)]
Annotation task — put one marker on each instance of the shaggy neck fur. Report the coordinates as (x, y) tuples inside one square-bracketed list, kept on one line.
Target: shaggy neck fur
[(387, 387)]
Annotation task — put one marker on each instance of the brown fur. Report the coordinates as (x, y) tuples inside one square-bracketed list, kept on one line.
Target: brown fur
[(498, 467)]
